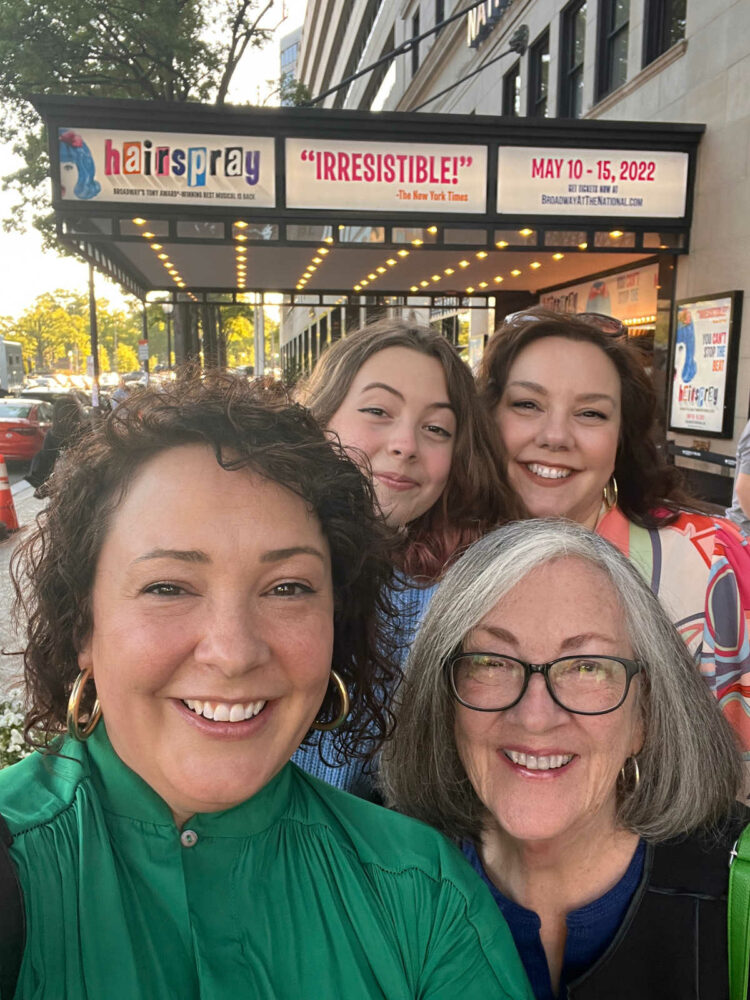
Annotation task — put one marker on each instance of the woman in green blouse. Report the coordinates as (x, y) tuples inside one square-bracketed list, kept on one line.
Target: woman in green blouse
[(202, 592)]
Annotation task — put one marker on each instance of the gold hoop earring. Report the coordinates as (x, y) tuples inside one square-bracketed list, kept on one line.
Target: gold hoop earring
[(76, 730), (326, 727), (636, 772), (610, 493)]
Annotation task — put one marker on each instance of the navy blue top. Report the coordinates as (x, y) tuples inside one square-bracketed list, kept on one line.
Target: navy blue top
[(590, 929)]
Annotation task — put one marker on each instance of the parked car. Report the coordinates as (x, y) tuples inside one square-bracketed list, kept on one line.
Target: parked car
[(50, 394), (23, 424)]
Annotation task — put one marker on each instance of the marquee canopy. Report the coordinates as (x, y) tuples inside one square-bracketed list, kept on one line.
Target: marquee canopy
[(199, 203)]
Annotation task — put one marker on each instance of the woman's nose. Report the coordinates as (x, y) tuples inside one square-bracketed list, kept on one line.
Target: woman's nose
[(554, 432), (403, 440), (232, 641), (536, 711)]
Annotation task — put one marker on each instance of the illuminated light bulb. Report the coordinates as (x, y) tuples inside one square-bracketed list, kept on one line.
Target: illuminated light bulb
[(403, 253), (498, 278), (449, 270), (148, 236), (156, 246), (417, 243), (501, 244), (482, 284), (481, 254), (357, 288), (470, 289), (317, 260), (298, 287), (323, 250), (239, 236), (437, 277), (535, 265), (329, 239), (582, 246), (364, 281), (139, 222), (414, 288), (463, 263), (432, 229), (241, 225), (391, 262), (312, 268), (424, 283), (240, 249), (163, 256), (372, 276), (557, 256), (525, 232), (381, 270), (515, 272), (616, 234), (241, 259)]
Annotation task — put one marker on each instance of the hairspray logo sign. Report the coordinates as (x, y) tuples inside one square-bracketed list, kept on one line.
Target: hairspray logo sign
[(166, 167)]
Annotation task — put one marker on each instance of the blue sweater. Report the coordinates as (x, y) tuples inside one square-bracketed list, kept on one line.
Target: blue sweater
[(358, 776), (590, 929)]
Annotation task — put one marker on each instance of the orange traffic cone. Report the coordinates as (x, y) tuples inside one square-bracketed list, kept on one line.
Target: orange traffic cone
[(7, 509)]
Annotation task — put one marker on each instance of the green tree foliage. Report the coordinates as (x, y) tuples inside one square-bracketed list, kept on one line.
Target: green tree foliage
[(55, 331), (127, 359), (173, 50)]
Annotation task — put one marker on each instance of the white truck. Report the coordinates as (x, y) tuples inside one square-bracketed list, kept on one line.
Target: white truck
[(11, 366)]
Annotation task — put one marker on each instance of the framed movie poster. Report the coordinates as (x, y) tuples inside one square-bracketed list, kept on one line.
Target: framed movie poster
[(705, 346)]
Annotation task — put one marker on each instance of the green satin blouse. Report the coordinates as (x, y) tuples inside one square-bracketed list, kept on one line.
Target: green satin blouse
[(301, 893)]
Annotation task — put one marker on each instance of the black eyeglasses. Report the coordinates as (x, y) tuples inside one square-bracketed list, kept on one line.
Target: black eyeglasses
[(584, 685)]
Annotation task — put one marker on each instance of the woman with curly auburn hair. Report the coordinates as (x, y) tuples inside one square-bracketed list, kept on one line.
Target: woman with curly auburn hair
[(575, 411), (404, 405), (205, 589)]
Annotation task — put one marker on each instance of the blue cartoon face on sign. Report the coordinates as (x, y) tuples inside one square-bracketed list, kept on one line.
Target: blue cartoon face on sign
[(75, 155), (598, 299), (686, 339)]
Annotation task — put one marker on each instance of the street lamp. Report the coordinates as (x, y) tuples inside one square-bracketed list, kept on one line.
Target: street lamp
[(168, 308)]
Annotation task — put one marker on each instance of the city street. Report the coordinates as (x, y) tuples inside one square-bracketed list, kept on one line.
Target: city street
[(27, 507)]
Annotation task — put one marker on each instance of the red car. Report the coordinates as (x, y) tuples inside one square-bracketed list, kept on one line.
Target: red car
[(23, 424)]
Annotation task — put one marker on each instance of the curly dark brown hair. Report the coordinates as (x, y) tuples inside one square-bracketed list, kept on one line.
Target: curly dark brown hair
[(477, 496), (247, 426), (651, 492)]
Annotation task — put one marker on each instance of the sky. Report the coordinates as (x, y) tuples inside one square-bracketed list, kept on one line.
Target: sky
[(26, 271)]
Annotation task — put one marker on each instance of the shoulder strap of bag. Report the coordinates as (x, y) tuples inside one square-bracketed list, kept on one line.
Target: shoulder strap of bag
[(12, 917), (738, 917)]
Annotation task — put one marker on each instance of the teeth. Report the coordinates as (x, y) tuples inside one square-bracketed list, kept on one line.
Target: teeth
[(548, 471), (221, 711), (534, 763)]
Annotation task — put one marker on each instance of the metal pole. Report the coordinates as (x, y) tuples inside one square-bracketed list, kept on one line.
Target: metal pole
[(144, 320), (260, 339), (94, 337)]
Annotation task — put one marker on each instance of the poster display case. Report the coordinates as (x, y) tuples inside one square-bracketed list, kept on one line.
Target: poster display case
[(703, 355)]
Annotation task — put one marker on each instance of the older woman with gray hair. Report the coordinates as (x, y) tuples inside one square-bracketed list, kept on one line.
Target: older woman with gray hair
[(554, 724)]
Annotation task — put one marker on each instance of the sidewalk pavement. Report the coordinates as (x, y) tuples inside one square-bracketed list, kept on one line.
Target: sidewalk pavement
[(27, 507)]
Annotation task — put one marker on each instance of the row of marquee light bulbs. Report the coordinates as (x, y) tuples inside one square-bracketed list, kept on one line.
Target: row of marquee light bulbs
[(162, 256), (461, 265), (173, 272)]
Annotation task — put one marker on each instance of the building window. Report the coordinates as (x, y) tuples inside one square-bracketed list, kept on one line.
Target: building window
[(415, 48), (439, 11), (512, 91), (614, 19), (664, 26), (539, 77), (573, 46)]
